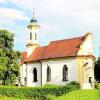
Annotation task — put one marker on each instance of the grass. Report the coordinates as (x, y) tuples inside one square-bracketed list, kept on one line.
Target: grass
[(13, 98), (74, 95), (10, 98), (81, 95)]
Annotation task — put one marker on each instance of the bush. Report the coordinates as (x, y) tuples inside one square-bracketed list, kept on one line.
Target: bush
[(50, 97), (34, 92), (74, 83), (50, 85), (97, 85)]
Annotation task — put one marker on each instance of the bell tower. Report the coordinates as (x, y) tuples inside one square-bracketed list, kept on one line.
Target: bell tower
[(33, 28)]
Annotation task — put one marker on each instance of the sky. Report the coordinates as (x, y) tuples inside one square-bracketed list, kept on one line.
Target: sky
[(59, 19)]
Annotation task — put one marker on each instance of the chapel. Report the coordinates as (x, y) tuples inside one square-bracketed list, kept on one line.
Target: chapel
[(60, 62)]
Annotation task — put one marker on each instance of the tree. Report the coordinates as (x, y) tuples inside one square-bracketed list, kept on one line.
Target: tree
[(9, 59), (97, 70)]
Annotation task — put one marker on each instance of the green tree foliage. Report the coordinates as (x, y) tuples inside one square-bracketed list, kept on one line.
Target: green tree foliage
[(97, 70), (9, 59)]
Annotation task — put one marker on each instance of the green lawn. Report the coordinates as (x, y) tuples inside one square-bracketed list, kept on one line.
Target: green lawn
[(81, 95), (74, 95), (10, 98)]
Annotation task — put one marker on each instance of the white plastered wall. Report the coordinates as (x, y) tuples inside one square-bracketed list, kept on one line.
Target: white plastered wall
[(86, 47), (23, 74), (57, 71), (30, 68), (30, 49)]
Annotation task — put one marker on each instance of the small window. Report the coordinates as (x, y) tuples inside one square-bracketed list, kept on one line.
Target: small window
[(35, 36), (90, 79), (48, 73), (65, 73), (24, 79), (30, 35), (34, 75)]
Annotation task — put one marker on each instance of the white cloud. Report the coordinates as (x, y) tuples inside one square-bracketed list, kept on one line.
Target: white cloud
[(81, 10), (67, 16), (8, 19), (25, 4), (6, 22), (3, 1), (12, 14), (64, 6)]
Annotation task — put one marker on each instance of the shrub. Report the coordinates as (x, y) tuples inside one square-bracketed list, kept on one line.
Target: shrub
[(50, 97), (50, 85), (37, 92), (75, 84), (97, 85)]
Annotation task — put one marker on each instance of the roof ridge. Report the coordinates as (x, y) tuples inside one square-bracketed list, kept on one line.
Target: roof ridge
[(67, 39)]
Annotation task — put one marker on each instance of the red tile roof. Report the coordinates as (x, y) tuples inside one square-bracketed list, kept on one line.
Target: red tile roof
[(37, 54), (24, 57), (63, 48), (57, 49)]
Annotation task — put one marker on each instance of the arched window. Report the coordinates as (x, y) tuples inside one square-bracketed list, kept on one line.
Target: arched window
[(65, 73), (34, 75), (30, 35), (48, 73)]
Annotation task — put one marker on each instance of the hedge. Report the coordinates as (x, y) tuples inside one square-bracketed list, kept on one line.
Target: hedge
[(33, 92)]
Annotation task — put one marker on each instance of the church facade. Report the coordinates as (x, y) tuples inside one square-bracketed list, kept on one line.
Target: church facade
[(60, 62)]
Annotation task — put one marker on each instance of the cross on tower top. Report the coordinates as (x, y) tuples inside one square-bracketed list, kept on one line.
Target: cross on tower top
[(33, 12)]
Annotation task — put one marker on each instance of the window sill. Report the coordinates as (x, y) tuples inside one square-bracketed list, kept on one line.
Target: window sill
[(65, 80), (35, 81), (48, 81)]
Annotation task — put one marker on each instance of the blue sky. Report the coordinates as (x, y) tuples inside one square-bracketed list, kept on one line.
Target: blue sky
[(59, 19)]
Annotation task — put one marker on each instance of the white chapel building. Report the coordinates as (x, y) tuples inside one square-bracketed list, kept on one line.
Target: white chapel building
[(60, 62)]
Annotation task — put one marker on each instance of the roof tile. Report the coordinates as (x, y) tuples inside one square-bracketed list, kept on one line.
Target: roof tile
[(63, 48), (24, 57), (57, 49)]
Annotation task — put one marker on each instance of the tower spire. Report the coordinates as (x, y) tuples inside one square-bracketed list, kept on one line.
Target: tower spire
[(33, 28), (33, 19), (33, 13)]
